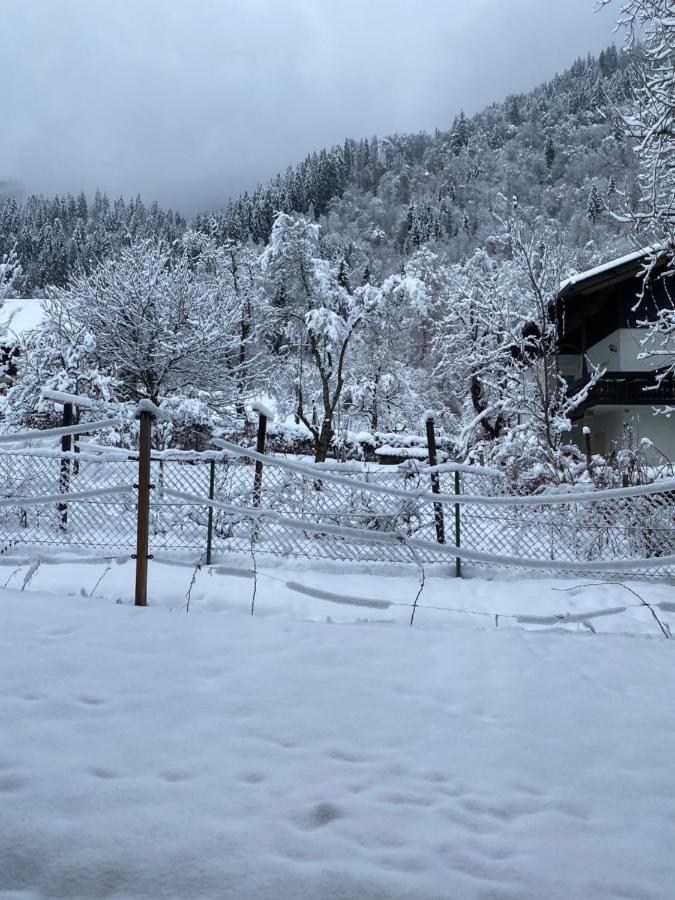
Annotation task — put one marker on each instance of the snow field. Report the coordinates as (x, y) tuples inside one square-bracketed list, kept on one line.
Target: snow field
[(150, 753)]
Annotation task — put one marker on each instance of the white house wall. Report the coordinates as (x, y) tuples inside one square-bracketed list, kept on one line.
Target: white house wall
[(619, 352), (617, 426)]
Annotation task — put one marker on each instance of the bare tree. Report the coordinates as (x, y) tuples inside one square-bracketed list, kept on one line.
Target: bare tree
[(650, 123), (154, 323)]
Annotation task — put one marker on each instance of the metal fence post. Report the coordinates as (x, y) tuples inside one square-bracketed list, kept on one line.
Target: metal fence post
[(64, 480), (260, 448), (212, 488), (143, 523), (458, 561), (435, 480)]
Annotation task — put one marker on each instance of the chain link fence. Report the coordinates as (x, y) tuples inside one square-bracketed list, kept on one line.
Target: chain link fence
[(377, 501), (100, 522)]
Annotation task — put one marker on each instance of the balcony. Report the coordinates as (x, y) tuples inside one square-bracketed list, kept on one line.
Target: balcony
[(625, 389)]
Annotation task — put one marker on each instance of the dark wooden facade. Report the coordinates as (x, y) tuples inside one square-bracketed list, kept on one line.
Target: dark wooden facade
[(592, 307)]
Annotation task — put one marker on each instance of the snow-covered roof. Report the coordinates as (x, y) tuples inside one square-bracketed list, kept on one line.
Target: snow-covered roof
[(627, 260), (23, 314)]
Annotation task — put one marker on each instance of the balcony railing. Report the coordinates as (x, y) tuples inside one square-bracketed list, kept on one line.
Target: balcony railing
[(621, 388)]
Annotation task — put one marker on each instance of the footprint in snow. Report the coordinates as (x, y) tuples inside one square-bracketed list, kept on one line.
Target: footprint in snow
[(347, 756), (59, 632), (11, 783), (252, 777), (103, 774), (175, 776), (321, 815)]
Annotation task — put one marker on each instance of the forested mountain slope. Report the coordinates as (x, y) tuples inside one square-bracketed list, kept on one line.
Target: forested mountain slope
[(559, 150)]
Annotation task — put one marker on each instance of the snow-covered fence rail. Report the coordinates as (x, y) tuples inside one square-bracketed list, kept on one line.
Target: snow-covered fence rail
[(344, 512), (625, 529), (25, 437)]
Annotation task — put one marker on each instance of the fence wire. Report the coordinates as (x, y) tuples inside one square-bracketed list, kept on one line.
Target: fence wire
[(607, 529)]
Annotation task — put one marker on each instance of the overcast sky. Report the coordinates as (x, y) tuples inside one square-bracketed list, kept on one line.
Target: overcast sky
[(189, 101)]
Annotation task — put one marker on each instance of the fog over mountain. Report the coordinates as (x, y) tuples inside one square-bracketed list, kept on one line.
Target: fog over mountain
[(233, 92)]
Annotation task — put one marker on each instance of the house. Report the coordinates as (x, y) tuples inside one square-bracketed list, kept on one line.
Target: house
[(598, 325), (17, 317)]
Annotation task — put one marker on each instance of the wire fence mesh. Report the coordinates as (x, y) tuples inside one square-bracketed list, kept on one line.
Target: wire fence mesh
[(98, 522), (607, 529)]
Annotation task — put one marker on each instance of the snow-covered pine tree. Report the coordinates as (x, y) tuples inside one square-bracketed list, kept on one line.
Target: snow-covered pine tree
[(595, 204), (10, 270), (459, 136), (549, 151)]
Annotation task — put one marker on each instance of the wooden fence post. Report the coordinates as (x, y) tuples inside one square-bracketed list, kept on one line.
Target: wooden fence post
[(64, 481), (212, 490), (435, 480), (143, 523), (458, 561), (260, 448), (587, 448)]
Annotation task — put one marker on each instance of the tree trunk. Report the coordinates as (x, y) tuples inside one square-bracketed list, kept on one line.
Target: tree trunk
[(374, 409), (245, 332), (492, 430), (322, 443)]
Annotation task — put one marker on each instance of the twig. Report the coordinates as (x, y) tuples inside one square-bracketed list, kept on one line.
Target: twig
[(105, 572), (665, 628), (193, 580), (18, 568), (662, 625), (418, 561), (254, 531), (29, 574)]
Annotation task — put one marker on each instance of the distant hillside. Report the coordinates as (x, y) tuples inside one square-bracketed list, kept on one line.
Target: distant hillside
[(559, 150)]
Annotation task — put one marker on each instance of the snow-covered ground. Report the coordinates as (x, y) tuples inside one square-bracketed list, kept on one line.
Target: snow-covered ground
[(326, 750)]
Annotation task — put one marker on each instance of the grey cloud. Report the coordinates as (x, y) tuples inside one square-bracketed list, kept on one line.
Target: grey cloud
[(189, 101)]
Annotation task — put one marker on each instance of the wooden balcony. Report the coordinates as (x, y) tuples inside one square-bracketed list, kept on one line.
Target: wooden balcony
[(625, 389)]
